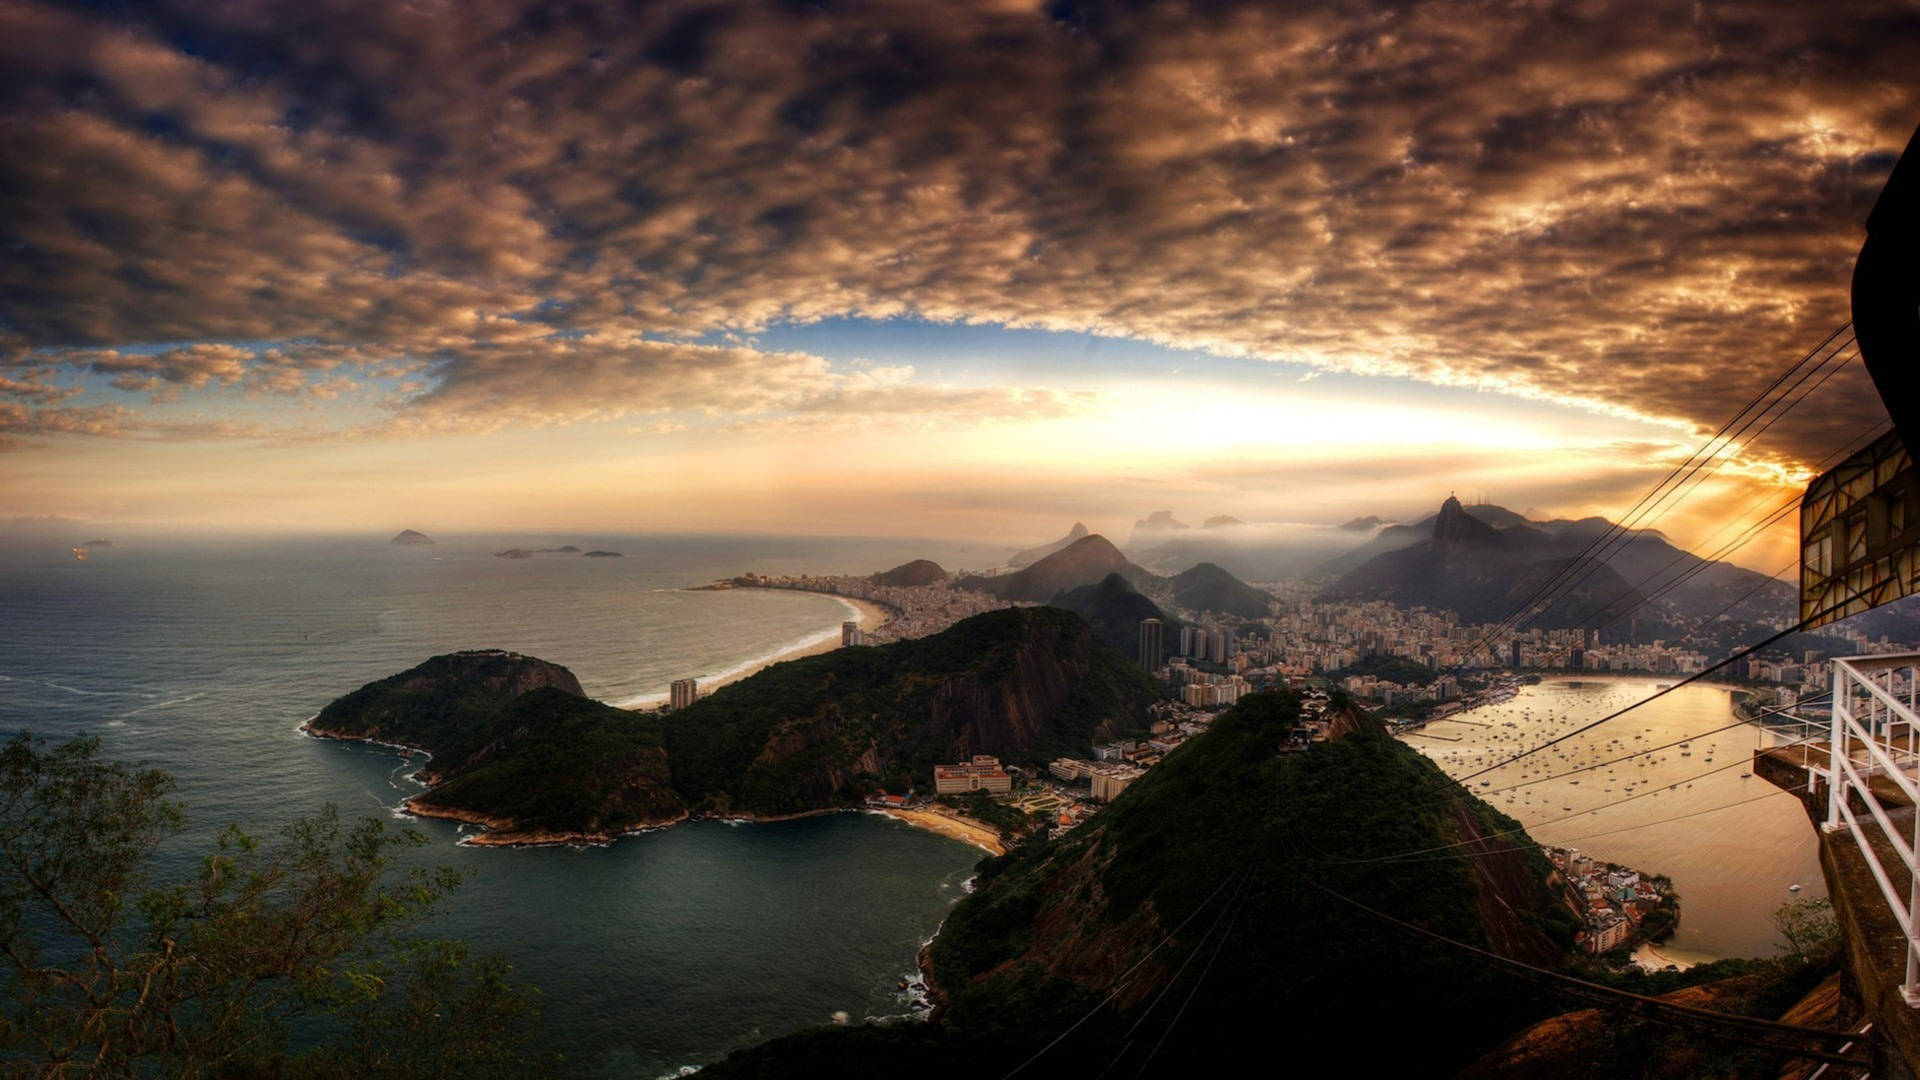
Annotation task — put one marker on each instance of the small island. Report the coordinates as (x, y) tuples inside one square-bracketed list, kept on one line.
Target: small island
[(528, 553), (410, 538), (602, 555)]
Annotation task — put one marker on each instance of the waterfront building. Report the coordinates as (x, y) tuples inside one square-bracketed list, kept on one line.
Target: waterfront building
[(850, 634), (983, 773), (683, 693)]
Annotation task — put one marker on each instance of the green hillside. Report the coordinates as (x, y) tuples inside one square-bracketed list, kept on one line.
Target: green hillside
[(1185, 918)]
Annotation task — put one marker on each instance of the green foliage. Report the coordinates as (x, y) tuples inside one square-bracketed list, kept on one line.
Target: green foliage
[(1809, 931), (265, 948), (557, 763)]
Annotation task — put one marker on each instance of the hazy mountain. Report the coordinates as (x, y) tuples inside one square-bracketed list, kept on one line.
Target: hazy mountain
[(1154, 525), (1361, 524), (1469, 566), (1114, 609), (1083, 562), (409, 538), (1221, 521), (917, 572), (1207, 587), (1035, 554), (1251, 551)]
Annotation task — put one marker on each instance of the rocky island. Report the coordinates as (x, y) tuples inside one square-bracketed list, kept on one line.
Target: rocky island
[(410, 538), (517, 747)]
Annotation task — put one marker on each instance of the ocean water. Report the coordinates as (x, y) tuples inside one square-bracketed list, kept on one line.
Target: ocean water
[(202, 656), (1732, 843)]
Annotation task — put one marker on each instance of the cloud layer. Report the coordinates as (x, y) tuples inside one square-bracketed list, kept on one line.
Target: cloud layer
[(494, 213)]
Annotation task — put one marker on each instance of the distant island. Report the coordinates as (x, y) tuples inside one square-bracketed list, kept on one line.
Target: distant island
[(528, 553), (99, 544), (519, 749), (602, 555), (410, 538)]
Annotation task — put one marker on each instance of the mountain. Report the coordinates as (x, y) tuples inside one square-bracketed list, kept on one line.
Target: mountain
[(1221, 521), (1643, 560), (1187, 928), (1114, 609), (1362, 524), (409, 538), (1207, 587), (1035, 554), (1083, 562), (1468, 566), (917, 572), (1149, 528), (518, 748)]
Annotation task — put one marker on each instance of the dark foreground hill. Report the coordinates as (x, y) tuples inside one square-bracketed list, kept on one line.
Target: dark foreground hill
[(1184, 932), (516, 747), (1114, 609)]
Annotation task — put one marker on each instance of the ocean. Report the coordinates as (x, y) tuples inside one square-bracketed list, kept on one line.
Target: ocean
[(666, 950)]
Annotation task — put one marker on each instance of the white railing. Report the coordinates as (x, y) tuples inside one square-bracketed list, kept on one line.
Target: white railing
[(1874, 732)]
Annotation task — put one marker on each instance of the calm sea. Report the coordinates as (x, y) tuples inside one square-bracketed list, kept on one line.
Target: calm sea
[(665, 950), (1733, 844)]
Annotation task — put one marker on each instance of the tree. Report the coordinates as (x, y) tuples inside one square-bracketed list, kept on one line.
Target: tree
[(286, 959), (1809, 930)]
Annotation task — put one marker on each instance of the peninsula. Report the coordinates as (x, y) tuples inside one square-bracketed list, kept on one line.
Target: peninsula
[(517, 747)]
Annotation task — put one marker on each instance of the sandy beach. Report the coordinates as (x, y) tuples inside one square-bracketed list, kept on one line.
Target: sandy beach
[(963, 829), (870, 617)]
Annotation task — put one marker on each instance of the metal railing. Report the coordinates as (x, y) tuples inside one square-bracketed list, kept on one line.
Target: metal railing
[(1875, 761)]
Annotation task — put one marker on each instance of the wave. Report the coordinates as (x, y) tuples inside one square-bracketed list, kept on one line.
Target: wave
[(164, 704), (74, 689)]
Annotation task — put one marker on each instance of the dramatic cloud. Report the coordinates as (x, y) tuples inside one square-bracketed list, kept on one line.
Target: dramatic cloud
[(1639, 206)]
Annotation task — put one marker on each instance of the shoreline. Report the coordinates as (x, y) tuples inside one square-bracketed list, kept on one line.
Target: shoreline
[(869, 615), (952, 826)]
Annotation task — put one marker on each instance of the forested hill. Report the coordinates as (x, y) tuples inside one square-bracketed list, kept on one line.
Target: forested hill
[(1185, 917), (1024, 684), (516, 747)]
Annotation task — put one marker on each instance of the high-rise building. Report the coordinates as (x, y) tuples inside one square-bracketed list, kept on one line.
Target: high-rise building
[(1516, 655), (1152, 647), (1217, 646), (850, 634), (683, 693), (1187, 634)]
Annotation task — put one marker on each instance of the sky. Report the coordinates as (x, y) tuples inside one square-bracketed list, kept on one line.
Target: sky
[(974, 269)]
